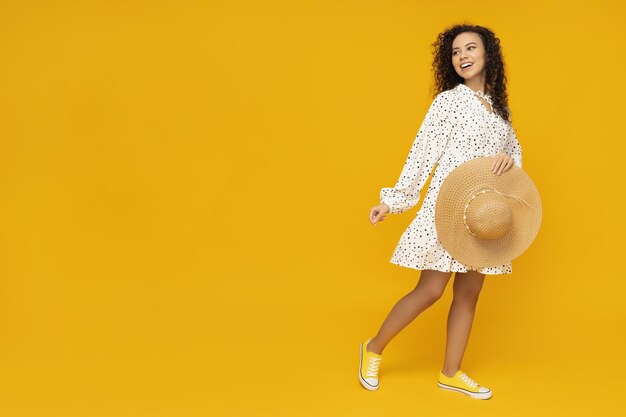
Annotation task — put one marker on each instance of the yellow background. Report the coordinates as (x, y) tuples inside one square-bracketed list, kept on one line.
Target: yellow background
[(184, 193)]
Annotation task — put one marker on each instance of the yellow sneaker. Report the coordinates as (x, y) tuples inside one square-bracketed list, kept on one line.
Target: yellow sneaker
[(369, 363), (460, 382)]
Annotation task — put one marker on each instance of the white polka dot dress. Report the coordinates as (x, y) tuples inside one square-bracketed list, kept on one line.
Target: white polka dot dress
[(457, 128)]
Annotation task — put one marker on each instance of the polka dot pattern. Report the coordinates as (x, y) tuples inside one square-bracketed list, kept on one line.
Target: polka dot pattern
[(457, 128)]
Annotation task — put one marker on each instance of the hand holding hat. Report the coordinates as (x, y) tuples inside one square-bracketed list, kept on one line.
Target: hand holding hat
[(501, 163)]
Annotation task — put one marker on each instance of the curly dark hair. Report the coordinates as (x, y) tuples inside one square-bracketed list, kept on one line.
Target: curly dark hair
[(495, 77)]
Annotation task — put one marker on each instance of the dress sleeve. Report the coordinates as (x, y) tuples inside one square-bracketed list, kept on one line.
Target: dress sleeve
[(425, 151), (512, 147)]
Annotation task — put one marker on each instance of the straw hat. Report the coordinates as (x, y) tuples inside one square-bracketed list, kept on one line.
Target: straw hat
[(485, 220)]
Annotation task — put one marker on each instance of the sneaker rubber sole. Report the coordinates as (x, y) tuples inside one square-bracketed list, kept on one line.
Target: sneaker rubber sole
[(477, 395)]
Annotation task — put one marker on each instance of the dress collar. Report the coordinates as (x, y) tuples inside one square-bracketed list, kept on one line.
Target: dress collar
[(466, 90)]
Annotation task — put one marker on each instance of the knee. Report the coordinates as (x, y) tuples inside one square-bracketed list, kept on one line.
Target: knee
[(466, 295), (431, 295)]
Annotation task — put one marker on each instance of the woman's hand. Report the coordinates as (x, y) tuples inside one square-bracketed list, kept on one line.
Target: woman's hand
[(501, 163), (377, 213)]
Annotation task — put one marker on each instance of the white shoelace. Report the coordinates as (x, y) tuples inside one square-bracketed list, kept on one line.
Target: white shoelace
[(372, 366), (469, 381)]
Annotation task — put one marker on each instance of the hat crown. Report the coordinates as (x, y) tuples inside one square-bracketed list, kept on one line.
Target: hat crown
[(488, 215)]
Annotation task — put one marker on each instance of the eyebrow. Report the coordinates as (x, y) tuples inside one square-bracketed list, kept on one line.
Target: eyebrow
[(465, 45)]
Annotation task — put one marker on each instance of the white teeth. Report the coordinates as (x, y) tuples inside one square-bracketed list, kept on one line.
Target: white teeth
[(466, 65)]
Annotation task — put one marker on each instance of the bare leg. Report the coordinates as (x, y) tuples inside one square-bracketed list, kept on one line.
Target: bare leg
[(467, 288), (428, 290)]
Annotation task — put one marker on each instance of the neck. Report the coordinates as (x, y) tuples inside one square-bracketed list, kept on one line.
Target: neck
[(476, 84)]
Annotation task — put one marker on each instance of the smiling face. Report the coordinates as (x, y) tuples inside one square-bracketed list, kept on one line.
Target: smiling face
[(468, 48)]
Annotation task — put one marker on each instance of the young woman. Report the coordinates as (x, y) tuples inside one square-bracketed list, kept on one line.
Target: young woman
[(468, 118)]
